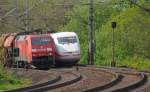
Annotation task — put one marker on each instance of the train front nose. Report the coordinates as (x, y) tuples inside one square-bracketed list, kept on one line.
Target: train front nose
[(42, 57), (42, 51)]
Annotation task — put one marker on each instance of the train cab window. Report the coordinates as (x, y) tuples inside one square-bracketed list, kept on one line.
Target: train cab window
[(41, 41), (20, 38), (66, 40)]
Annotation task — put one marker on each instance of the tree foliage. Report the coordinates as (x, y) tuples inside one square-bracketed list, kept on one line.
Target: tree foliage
[(44, 14), (131, 35)]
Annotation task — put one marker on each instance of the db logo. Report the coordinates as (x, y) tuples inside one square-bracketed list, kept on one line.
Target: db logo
[(41, 46)]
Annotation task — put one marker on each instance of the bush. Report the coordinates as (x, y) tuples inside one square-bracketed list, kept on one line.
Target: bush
[(2, 57), (131, 35), (79, 22)]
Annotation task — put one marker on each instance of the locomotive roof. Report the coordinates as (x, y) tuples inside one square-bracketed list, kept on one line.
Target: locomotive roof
[(35, 35), (38, 35), (63, 34)]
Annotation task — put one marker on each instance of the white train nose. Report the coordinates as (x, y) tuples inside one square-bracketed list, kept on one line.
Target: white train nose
[(67, 47)]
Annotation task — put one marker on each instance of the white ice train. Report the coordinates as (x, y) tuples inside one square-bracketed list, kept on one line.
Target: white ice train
[(67, 47)]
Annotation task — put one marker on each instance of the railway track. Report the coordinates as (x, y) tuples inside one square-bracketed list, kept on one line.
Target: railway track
[(56, 79), (128, 83), (91, 79), (63, 79), (130, 86), (124, 82), (129, 80)]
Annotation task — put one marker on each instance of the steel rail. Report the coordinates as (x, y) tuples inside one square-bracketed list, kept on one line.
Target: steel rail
[(127, 88), (115, 69), (56, 79), (118, 78), (113, 82), (49, 85), (123, 89), (59, 85), (121, 69), (139, 83)]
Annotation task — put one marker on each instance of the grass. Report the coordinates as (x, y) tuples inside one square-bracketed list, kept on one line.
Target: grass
[(7, 85), (9, 81), (136, 62)]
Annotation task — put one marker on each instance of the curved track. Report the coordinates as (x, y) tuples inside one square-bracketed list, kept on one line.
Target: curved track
[(56, 79), (128, 81), (114, 81), (90, 79), (64, 79)]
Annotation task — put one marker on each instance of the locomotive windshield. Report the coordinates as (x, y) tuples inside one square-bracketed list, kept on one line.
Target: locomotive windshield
[(41, 41), (66, 40)]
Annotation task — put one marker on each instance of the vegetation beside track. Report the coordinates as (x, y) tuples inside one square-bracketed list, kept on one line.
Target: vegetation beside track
[(9, 81), (44, 15), (131, 35), (132, 40)]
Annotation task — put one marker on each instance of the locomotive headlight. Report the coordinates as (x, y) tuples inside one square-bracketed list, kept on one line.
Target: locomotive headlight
[(49, 49), (50, 54), (34, 54), (34, 50)]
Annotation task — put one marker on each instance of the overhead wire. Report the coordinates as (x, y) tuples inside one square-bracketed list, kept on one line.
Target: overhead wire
[(8, 13), (143, 8), (21, 14), (24, 13), (30, 9)]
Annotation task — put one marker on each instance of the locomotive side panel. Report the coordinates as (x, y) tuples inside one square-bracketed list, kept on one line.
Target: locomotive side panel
[(21, 43), (36, 50)]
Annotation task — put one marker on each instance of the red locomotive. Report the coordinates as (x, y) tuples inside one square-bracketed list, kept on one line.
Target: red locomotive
[(37, 50)]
